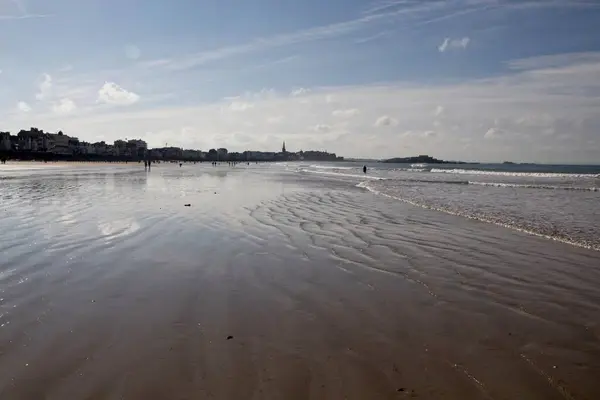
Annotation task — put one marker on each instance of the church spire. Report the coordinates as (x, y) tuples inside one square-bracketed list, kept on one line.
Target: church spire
[(283, 147)]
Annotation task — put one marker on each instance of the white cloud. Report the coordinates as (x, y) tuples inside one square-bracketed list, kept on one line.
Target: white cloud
[(45, 87), (299, 92), (23, 107), (240, 106), (418, 134), (493, 133), (386, 120), (64, 106), (275, 120), (347, 113), (113, 94), (321, 128), (454, 44), (519, 110)]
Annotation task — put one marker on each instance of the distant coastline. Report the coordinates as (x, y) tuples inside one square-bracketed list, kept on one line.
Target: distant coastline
[(422, 159)]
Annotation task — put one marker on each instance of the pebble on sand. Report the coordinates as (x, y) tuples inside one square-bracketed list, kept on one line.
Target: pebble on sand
[(229, 337), (187, 205)]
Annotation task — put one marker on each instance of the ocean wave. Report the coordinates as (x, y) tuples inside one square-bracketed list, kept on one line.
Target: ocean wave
[(482, 218), (511, 173), (530, 186), (317, 166), (377, 178)]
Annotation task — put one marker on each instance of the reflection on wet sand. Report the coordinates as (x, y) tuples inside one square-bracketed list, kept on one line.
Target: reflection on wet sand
[(277, 286)]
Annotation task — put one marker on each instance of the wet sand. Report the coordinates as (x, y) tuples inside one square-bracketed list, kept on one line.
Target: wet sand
[(279, 286)]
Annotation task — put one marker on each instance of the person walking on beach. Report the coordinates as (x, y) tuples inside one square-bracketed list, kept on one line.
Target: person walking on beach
[(364, 169)]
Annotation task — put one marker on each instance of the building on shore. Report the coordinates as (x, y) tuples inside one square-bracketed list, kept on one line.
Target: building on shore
[(5, 144), (35, 143)]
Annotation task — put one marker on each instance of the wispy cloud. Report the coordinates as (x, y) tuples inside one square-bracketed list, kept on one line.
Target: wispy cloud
[(23, 107), (452, 44), (272, 63), (22, 12), (286, 39), (386, 120), (28, 16), (346, 113), (64, 106), (412, 13), (456, 14), (44, 87), (373, 37), (380, 6), (555, 60)]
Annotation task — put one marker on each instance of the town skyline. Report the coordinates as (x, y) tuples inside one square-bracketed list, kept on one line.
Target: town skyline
[(36, 142)]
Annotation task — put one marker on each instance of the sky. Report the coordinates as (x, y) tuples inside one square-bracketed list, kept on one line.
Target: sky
[(473, 80)]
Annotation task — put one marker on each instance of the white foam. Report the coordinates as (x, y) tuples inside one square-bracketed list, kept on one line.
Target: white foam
[(509, 173), (317, 166), (528, 186), (377, 178)]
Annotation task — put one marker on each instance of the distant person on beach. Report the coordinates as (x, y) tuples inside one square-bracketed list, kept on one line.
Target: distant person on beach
[(364, 169)]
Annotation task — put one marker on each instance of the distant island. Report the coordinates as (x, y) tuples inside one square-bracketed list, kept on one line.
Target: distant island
[(35, 144), (422, 159)]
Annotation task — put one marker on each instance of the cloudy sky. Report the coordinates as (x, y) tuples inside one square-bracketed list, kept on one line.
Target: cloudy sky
[(486, 80)]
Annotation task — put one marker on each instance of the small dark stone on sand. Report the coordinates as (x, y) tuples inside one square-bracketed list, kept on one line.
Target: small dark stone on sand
[(229, 337), (401, 390), (187, 205)]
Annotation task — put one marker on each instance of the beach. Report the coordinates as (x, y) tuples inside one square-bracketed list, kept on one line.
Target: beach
[(294, 282)]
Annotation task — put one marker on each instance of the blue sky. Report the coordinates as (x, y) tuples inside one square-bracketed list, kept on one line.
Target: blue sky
[(470, 79)]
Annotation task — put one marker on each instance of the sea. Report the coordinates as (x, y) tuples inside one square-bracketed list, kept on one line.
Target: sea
[(558, 202)]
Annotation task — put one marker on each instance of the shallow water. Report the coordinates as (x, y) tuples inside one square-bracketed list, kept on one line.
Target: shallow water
[(111, 288), (561, 202)]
